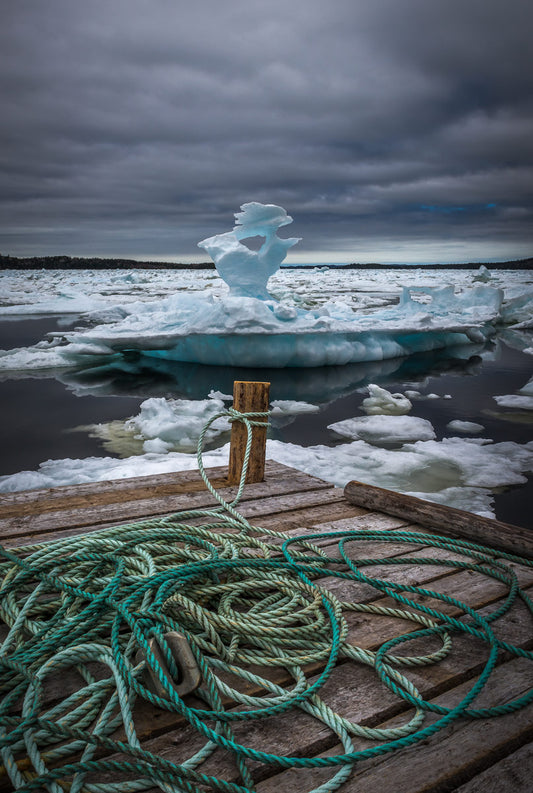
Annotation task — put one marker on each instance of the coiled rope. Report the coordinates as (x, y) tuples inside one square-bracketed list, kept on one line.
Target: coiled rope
[(243, 597)]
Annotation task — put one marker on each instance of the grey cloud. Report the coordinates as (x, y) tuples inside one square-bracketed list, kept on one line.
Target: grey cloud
[(144, 125)]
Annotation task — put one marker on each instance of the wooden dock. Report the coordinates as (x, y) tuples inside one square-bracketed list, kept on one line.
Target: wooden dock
[(485, 754)]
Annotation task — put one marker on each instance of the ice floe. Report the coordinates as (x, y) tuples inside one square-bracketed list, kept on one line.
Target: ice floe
[(380, 401), (284, 407), (177, 423), (470, 427), (384, 430), (519, 401)]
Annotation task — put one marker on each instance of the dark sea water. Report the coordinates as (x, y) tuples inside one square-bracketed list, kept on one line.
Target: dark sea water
[(41, 411)]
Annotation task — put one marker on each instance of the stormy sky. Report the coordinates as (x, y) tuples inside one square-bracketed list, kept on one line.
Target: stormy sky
[(391, 130)]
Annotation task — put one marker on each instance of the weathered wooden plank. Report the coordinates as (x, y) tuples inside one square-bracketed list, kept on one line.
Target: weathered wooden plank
[(275, 521), (272, 468), (465, 750), (294, 491), (25, 501), (303, 517), (441, 762), (447, 520), (28, 502), (510, 775), (307, 517)]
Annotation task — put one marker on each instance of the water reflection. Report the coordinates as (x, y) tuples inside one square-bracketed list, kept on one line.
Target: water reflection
[(140, 375)]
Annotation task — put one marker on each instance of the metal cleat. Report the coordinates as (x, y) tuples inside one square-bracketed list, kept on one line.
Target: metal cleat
[(189, 674)]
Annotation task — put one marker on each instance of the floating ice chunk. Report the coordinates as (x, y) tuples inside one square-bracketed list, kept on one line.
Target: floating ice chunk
[(285, 411), (465, 426), (470, 499), (282, 407), (43, 355), (523, 400), (177, 422), (244, 331), (519, 401), (417, 395), (54, 473), (429, 469), (518, 310), (382, 402), (382, 430), (219, 395), (482, 275), (529, 350), (527, 388)]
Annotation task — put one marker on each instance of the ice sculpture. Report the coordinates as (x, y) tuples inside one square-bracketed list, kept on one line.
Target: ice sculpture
[(249, 328), (247, 271)]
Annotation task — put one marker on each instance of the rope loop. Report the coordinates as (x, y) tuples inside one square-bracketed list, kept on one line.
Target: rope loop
[(248, 418)]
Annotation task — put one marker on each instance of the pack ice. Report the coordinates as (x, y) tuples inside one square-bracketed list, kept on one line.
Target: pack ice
[(247, 326)]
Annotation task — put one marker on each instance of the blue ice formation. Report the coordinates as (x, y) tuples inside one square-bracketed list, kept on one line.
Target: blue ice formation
[(247, 271), (248, 327)]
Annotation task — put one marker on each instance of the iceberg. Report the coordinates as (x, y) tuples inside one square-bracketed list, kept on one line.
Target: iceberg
[(248, 327), (246, 271)]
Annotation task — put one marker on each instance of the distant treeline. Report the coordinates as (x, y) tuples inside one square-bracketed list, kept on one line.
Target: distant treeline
[(76, 263), (517, 264)]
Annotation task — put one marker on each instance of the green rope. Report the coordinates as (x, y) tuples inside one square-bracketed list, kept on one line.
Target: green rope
[(247, 600)]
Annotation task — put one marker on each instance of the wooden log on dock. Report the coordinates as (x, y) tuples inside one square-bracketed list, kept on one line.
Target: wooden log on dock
[(248, 397), (446, 520)]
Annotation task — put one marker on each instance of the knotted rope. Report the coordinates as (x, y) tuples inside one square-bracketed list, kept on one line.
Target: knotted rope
[(248, 601)]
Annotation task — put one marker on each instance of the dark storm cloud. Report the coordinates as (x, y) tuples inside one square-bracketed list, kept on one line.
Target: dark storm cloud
[(137, 127)]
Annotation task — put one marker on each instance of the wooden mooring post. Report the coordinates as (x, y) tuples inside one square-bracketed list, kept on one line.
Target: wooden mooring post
[(248, 397)]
